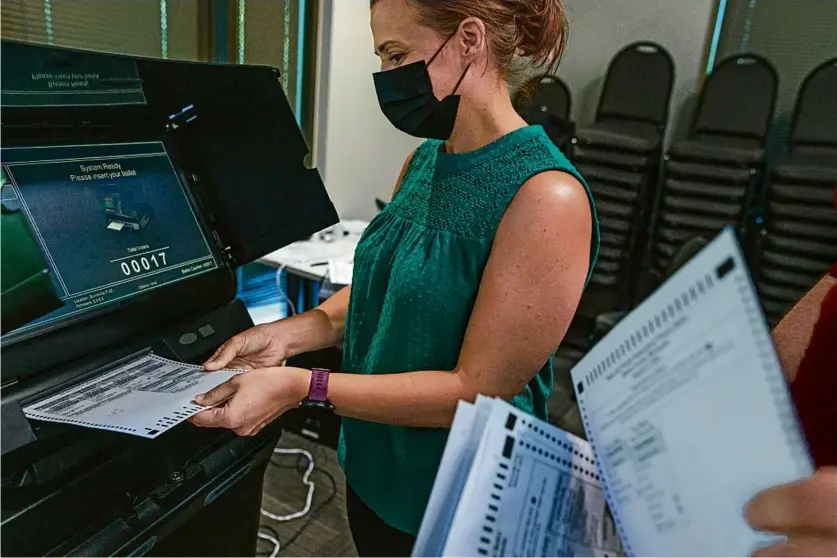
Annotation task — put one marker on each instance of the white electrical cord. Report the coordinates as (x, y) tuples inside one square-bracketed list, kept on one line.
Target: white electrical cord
[(305, 480), (282, 293), (308, 499), (276, 544)]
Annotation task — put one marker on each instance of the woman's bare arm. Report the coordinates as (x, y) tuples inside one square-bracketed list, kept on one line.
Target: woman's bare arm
[(528, 295), (793, 333)]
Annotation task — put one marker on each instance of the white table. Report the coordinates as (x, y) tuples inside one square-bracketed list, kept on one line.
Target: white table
[(328, 254), (309, 259)]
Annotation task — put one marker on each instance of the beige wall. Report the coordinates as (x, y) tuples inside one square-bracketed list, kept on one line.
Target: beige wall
[(358, 152)]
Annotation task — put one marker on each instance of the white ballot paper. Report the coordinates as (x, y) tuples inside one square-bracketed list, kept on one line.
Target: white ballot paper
[(145, 397), (687, 409), (463, 440), (512, 485)]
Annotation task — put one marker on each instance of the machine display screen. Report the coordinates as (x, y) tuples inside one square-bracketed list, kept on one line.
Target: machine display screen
[(112, 221)]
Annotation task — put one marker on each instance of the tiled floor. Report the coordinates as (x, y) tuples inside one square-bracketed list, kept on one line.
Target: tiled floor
[(324, 531)]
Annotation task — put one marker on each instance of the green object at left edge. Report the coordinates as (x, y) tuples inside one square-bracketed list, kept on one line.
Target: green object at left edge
[(27, 292)]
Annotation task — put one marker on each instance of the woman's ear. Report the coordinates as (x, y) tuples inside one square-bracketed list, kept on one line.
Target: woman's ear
[(473, 40)]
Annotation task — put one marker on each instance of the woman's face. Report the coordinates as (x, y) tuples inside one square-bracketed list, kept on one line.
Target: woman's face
[(399, 39)]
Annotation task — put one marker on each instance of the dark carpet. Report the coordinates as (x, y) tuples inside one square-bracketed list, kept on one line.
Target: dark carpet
[(324, 530)]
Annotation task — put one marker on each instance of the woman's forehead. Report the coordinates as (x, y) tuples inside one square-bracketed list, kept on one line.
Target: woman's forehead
[(396, 21)]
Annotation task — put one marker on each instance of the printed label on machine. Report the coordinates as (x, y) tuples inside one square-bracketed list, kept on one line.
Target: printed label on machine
[(144, 397)]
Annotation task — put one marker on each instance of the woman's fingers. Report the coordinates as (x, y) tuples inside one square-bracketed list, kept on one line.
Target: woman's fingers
[(215, 417), (807, 506), (801, 546)]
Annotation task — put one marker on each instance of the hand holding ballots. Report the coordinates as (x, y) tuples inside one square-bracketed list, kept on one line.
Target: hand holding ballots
[(145, 395), (688, 417)]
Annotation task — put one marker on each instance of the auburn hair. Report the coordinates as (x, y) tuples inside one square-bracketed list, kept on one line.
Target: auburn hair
[(535, 29)]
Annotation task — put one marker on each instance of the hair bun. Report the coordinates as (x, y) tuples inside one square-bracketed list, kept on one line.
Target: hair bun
[(541, 30), (535, 29)]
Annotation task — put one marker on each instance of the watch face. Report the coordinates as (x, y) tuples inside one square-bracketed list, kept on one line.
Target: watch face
[(311, 404)]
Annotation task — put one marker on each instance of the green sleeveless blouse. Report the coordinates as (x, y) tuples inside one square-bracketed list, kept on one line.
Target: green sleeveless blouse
[(417, 270)]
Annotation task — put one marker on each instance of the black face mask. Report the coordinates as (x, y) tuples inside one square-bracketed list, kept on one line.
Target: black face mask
[(407, 100)]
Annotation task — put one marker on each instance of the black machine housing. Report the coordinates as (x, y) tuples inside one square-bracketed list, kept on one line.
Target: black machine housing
[(237, 149)]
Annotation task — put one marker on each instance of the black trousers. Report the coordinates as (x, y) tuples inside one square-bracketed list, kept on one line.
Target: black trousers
[(372, 536)]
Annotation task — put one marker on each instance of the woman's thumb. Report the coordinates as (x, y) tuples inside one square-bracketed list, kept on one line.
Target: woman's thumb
[(218, 394), (224, 355)]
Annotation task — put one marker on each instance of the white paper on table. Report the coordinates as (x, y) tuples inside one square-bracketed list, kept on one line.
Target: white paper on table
[(532, 490), (465, 435), (320, 251), (686, 406), (144, 397), (307, 252), (354, 226), (340, 270)]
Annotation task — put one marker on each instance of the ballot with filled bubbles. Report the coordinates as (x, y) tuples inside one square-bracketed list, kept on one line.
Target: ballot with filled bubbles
[(687, 414)]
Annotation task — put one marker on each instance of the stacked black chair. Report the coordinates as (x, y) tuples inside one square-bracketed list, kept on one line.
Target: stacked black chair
[(619, 156), (715, 177), (800, 240), (546, 100), (689, 249)]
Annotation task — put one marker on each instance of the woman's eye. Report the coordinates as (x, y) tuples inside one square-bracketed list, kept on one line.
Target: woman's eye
[(396, 58)]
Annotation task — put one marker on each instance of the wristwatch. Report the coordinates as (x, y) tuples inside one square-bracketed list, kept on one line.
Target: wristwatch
[(318, 390)]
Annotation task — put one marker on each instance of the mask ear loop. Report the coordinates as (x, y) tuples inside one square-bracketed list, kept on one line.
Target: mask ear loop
[(438, 50), (462, 77)]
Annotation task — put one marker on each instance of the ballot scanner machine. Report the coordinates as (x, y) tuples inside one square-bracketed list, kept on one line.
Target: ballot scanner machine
[(145, 183)]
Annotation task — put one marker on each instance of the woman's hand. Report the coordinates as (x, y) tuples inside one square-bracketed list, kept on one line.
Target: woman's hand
[(253, 399), (261, 346), (272, 344), (804, 511)]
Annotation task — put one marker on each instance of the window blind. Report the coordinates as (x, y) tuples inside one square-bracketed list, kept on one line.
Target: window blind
[(153, 28), (266, 32), (269, 33)]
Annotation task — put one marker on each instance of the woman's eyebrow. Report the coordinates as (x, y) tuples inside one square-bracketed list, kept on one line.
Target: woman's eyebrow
[(383, 46)]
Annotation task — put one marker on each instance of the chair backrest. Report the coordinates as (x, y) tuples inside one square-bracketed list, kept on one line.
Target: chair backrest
[(815, 117), (738, 99), (686, 252), (638, 85), (547, 94)]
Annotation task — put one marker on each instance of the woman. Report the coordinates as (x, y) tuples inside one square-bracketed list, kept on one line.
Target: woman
[(464, 284)]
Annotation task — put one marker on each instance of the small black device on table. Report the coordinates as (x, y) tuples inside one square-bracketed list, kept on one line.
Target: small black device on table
[(146, 184)]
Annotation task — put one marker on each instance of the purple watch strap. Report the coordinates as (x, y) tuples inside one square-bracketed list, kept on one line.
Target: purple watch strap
[(318, 390)]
